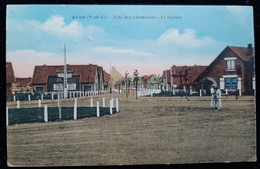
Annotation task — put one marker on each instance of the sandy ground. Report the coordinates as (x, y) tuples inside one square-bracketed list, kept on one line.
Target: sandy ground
[(157, 130)]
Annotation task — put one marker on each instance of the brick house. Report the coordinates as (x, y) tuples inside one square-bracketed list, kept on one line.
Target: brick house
[(231, 70), (22, 85), (182, 77), (10, 79), (80, 78)]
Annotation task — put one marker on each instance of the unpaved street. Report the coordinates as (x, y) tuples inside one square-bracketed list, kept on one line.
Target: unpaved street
[(157, 130)]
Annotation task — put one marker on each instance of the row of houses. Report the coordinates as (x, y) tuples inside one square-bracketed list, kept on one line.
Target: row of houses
[(49, 78), (232, 70)]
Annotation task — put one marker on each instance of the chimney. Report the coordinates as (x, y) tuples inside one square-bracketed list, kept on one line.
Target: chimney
[(249, 49)]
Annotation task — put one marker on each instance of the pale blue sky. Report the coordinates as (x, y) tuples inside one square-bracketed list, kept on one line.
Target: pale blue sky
[(36, 35)]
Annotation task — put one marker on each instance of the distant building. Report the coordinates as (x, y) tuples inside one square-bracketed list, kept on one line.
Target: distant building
[(182, 77), (22, 85), (115, 77), (106, 81), (151, 81), (79, 78), (231, 70), (10, 79)]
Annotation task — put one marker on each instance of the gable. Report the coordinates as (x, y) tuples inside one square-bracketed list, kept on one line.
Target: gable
[(9, 73)]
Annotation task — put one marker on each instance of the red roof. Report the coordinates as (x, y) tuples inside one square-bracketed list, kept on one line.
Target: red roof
[(145, 80), (106, 77), (242, 52), (184, 75), (87, 73), (9, 73), (24, 81)]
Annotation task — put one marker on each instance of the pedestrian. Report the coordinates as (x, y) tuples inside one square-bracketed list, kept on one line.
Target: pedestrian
[(213, 96), (218, 95)]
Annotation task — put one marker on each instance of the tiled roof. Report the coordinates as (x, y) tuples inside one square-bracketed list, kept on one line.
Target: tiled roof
[(24, 81), (87, 73), (106, 77), (9, 73), (242, 52), (184, 75)]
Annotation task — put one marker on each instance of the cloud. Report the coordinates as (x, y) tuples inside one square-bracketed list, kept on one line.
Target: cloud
[(28, 53), (57, 27), (122, 52), (188, 38)]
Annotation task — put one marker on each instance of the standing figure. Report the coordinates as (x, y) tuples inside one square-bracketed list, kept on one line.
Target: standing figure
[(218, 94), (213, 96)]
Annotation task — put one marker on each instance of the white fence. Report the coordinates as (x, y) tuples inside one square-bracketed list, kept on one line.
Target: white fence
[(147, 92)]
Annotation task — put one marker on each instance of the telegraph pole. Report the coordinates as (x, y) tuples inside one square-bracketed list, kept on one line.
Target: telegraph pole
[(65, 74)]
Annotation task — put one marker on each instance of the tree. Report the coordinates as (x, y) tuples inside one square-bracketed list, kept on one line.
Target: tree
[(136, 78), (127, 82)]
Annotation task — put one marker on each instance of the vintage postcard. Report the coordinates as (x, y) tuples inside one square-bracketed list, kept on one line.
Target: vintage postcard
[(91, 85)]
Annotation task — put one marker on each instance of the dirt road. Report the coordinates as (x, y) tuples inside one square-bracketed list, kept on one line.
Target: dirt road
[(158, 130)]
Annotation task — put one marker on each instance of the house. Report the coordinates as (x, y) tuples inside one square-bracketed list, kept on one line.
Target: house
[(231, 70), (115, 77), (106, 80), (22, 85), (79, 78), (151, 81), (166, 80), (183, 77), (10, 79)]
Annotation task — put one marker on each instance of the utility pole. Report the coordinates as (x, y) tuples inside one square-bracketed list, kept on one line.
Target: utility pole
[(65, 74), (110, 78)]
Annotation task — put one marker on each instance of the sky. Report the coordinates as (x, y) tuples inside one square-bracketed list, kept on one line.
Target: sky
[(148, 38)]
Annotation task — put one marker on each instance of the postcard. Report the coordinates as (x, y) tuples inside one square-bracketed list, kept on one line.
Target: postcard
[(102, 85)]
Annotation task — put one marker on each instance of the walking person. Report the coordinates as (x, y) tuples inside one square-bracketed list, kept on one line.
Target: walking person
[(218, 95), (213, 96)]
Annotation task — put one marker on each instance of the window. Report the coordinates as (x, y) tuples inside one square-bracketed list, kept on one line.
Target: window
[(72, 86), (58, 86), (230, 83), (230, 63)]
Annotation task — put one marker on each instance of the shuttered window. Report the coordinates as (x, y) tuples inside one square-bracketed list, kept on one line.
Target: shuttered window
[(230, 83)]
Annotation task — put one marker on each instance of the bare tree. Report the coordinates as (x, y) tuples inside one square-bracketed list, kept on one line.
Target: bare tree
[(136, 79)]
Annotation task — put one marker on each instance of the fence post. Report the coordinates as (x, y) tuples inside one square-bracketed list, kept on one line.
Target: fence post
[(117, 107), (18, 104), (7, 122), (200, 92), (58, 99), (112, 102), (41, 96), (104, 103), (98, 113), (39, 103), (75, 109), (91, 102), (45, 113), (29, 97), (111, 107), (14, 98)]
